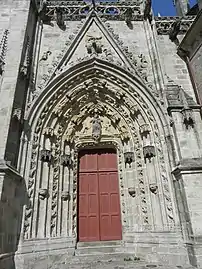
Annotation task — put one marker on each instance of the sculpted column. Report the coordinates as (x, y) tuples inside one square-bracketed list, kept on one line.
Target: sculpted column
[(43, 192)]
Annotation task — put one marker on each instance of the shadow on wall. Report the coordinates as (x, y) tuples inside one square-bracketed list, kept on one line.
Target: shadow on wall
[(13, 198)]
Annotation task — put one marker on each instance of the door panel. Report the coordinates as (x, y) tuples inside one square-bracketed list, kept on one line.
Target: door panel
[(110, 217), (88, 207), (98, 204)]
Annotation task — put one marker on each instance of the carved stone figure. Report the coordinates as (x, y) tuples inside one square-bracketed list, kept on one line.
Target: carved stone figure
[(96, 127), (93, 44)]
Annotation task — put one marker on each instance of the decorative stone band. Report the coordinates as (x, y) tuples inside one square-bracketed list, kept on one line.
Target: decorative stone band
[(185, 166)]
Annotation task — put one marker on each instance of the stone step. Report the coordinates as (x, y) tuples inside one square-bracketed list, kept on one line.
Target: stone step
[(97, 250), (98, 243)]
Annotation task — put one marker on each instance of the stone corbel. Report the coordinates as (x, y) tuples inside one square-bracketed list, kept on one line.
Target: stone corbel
[(153, 188), (187, 117), (132, 192), (43, 193), (66, 160), (129, 157), (144, 130), (149, 152), (46, 155)]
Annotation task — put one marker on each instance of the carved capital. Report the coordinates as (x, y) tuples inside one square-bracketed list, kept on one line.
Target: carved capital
[(46, 155), (187, 117), (43, 193), (129, 157), (66, 160), (149, 152)]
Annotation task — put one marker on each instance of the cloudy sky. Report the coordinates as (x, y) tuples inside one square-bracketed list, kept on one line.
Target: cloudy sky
[(165, 7)]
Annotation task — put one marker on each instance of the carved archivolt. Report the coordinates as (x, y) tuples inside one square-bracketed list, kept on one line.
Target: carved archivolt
[(67, 119)]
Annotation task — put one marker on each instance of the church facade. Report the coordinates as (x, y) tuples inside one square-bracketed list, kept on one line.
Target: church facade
[(101, 133)]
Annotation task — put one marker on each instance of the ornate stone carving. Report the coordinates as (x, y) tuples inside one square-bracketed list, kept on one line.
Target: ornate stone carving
[(48, 131), (96, 127), (153, 188), (3, 50), (43, 193), (60, 17), (66, 160), (174, 31), (129, 17), (65, 196), (25, 66), (144, 130), (147, 10), (164, 24), (45, 56), (129, 157), (93, 44), (132, 191), (149, 152), (187, 117), (56, 173), (46, 155), (17, 114)]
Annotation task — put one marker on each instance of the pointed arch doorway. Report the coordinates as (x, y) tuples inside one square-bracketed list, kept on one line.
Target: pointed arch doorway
[(99, 215)]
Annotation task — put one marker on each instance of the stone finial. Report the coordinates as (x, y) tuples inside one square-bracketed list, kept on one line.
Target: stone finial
[(129, 157), (66, 160), (149, 152), (46, 155)]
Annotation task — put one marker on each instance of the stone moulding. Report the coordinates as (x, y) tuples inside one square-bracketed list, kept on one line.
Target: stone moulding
[(186, 166)]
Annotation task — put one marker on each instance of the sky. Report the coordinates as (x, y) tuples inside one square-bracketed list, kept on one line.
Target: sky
[(166, 8)]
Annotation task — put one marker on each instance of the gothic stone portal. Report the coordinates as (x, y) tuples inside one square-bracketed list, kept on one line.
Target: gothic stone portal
[(99, 217)]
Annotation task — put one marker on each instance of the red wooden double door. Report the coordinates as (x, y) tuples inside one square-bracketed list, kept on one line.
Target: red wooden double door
[(99, 217)]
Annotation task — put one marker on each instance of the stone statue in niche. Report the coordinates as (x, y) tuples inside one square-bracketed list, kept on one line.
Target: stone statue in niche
[(96, 127)]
